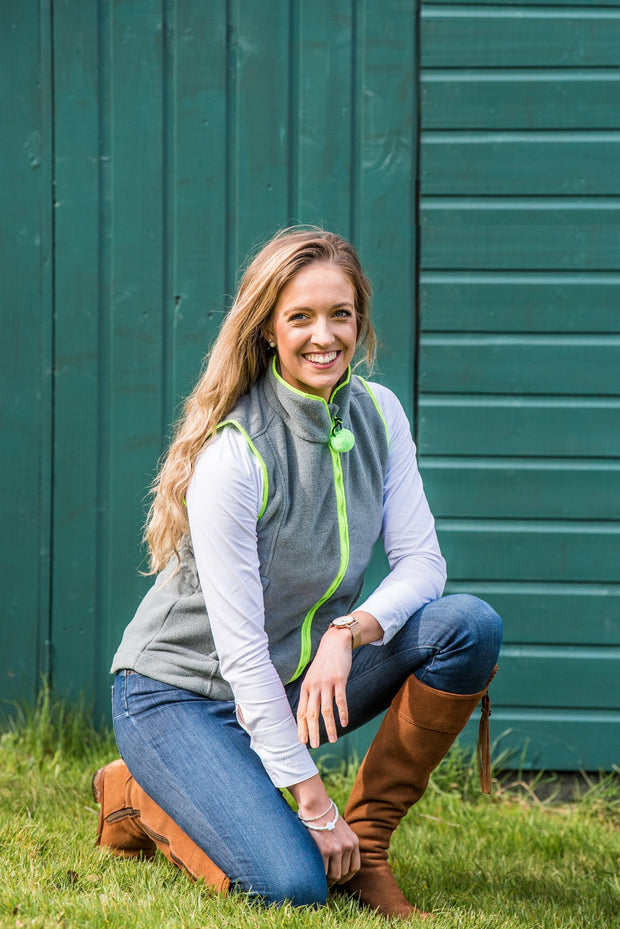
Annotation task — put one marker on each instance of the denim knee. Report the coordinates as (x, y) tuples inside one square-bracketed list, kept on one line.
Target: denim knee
[(468, 636), (480, 620), (303, 885)]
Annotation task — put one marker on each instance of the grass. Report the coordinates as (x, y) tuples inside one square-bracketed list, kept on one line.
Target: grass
[(512, 860)]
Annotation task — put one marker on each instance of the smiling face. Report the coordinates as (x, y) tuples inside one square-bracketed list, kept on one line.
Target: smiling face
[(315, 329)]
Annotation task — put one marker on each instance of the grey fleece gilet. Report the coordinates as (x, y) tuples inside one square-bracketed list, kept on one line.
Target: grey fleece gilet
[(316, 531)]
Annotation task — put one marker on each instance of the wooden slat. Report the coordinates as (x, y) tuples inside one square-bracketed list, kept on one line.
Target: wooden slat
[(260, 123), (551, 613), (521, 99), (550, 740), (521, 550), (26, 358), (520, 211), (524, 36), (520, 364), (77, 299), (524, 4), (533, 247), (514, 426), (525, 667), (579, 238), (196, 190), (528, 488), (132, 323), (384, 209), (519, 302), (521, 163), (323, 106)]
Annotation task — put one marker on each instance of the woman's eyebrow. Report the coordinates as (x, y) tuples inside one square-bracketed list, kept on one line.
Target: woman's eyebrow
[(335, 306)]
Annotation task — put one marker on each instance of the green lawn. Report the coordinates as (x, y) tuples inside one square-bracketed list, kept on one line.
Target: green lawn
[(503, 862)]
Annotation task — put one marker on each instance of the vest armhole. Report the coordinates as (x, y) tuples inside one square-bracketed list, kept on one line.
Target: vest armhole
[(258, 456), (378, 408)]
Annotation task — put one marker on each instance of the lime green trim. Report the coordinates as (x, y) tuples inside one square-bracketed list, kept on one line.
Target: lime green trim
[(343, 530), (301, 393), (254, 450), (379, 410), (343, 526)]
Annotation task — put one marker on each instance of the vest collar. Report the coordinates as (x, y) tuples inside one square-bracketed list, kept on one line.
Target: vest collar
[(309, 417)]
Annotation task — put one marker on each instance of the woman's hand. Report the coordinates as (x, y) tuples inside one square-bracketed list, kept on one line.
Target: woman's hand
[(326, 680), (340, 851), (325, 684), (339, 847)]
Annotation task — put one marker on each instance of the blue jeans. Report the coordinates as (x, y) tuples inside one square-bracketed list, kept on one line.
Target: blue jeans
[(193, 759)]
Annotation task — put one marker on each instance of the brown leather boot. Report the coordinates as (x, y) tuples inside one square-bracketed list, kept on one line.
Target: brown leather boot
[(418, 729), (131, 824)]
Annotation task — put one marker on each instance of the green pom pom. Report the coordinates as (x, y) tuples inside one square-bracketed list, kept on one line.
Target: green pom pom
[(342, 441)]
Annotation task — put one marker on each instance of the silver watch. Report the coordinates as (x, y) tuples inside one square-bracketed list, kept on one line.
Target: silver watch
[(349, 622)]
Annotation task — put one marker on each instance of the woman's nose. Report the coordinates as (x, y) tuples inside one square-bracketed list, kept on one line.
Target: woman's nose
[(322, 332)]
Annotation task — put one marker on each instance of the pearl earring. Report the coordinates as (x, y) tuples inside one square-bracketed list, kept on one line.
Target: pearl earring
[(272, 344)]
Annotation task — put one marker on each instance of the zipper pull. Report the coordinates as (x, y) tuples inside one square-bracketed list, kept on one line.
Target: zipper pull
[(341, 440)]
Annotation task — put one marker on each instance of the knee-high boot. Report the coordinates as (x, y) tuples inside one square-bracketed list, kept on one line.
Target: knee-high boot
[(418, 729), (131, 824)]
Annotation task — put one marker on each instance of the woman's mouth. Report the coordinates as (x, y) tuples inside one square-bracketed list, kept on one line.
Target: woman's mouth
[(321, 358)]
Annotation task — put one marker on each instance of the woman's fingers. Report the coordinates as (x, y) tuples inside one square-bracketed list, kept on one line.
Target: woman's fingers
[(308, 717), (340, 852), (340, 697)]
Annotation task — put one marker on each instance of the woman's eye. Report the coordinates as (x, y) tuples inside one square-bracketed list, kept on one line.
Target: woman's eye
[(343, 314)]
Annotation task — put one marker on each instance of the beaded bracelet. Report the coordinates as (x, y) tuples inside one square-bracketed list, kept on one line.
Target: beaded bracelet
[(313, 819), (328, 827)]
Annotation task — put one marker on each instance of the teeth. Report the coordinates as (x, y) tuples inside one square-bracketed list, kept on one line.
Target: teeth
[(325, 359)]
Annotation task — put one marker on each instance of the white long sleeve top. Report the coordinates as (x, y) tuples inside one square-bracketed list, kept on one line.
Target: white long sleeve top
[(223, 502)]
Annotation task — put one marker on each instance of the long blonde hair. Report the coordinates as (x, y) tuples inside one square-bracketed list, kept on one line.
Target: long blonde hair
[(239, 355)]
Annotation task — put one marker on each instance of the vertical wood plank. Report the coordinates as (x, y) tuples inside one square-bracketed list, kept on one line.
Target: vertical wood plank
[(26, 347), (74, 614), (384, 209), (197, 189), (321, 114), (260, 130), (133, 323)]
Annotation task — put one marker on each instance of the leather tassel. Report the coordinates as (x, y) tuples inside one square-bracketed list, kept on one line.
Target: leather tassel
[(484, 746)]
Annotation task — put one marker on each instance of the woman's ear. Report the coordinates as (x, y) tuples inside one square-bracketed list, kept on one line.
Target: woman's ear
[(268, 337)]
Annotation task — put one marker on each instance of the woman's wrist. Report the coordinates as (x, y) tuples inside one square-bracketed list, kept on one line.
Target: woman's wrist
[(311, 798), (366, 629)]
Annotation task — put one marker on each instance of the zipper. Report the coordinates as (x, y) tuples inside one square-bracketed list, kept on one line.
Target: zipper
[(343, 532), (341, 512)]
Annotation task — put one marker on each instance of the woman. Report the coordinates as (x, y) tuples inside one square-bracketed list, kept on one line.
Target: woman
[(251, 646)]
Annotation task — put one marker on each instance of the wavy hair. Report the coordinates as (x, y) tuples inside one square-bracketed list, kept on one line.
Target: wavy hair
[(239, 355)]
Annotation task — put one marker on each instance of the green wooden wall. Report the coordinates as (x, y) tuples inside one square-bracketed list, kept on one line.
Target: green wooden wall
[(469, 150), (519, 353), (150, 145)]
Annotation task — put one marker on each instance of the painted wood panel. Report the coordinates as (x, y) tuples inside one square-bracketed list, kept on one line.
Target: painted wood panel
[(520, 163), (518, 411), (550, 612), (523, 36), (535, 488), (184, 134), (26, 348), (567, 98), (543, 245), (545, 739), (519, 301), (530, 550), (178, 135), (503, 364), (546, 427), (524, 667)]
